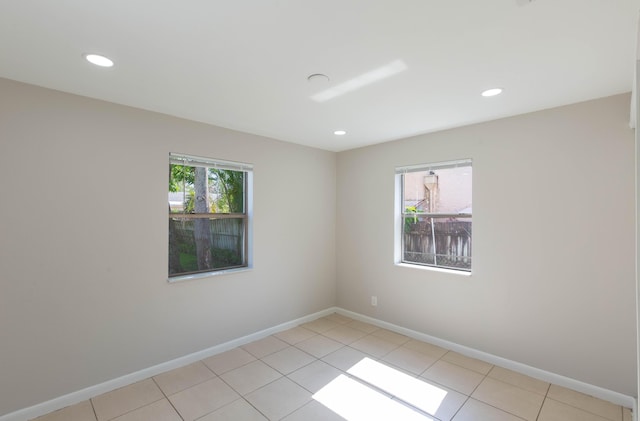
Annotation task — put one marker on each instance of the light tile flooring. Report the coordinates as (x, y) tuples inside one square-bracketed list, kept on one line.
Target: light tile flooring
[(336, 368)]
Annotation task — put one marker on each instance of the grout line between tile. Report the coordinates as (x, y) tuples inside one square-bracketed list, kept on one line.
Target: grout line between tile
[(135, 409), (461, 406), (251, 405), (285, 416), (585, 410), (186, 388), (221, 374), (546, 394), (169, 400), (93, 409), (474, 389)]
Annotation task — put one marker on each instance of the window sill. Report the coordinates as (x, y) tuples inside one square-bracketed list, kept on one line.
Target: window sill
[(207, 274), (434, 269)]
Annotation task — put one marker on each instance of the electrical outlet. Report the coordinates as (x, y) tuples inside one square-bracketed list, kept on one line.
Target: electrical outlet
[(374, 300)]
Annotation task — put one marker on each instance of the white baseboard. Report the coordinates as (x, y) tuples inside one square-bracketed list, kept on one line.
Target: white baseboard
[(589, 389), (92, 391)]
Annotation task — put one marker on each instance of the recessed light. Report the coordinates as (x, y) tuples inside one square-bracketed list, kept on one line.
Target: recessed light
[(339, 133), (492, 92), (99, 60), (318, 78)]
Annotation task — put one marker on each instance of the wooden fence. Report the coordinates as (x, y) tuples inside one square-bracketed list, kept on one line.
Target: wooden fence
[(452, 243), (226, 244), (226, 234)]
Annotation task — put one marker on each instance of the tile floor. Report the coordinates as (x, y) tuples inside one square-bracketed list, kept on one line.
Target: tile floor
[(336, 368)]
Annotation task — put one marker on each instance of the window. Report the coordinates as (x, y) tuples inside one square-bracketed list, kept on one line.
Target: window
[(434, 204), (209, 215)]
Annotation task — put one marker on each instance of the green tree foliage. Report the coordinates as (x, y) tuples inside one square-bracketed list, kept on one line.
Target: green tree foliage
[(408, 221), (179, 175), (225, 185), (231, 190)]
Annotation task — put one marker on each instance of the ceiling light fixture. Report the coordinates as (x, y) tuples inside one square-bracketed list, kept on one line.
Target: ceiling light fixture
[(340, 133), (492, 92), (99, 60), (318, 78)]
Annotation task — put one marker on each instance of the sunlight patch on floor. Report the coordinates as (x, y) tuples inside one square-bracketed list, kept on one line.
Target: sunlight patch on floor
[(354, 401), (362, 399), (411, 390)]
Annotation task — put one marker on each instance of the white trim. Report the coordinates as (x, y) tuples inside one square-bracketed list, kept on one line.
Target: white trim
[(248, 240), (433, 268), (199, 161), (397, 223), (191, 277), (92, 391), (467, 162), (596, 391)]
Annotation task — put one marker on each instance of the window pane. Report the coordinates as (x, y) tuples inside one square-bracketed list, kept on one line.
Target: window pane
[(206, 190), (227, 190), (208, 221), (434, 231), (452, 238), (439, 191), (201, 245)]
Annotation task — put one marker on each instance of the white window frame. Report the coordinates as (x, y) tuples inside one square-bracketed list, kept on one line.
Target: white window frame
[(399, 214), (247, 168)]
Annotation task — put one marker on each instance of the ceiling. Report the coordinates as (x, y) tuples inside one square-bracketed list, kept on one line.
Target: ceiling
[(395, 68)]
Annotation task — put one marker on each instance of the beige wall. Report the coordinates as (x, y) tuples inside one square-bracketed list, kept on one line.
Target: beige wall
[(83, 242), (553, 282), (84, 296)]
